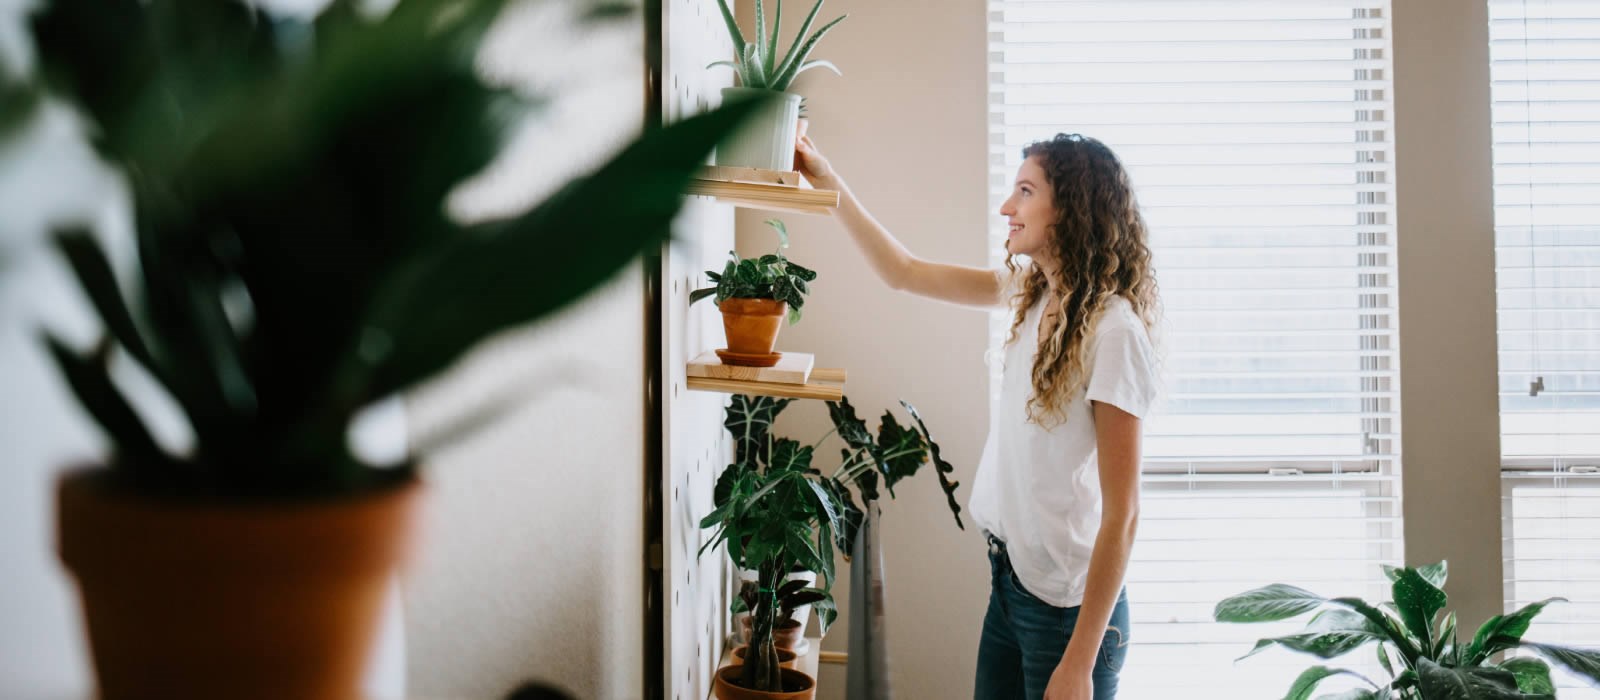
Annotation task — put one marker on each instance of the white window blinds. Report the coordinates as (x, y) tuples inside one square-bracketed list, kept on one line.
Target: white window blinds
[(1257, 134), (1545, 64)]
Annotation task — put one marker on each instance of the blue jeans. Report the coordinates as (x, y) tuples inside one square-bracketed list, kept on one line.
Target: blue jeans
[(1024, 638)]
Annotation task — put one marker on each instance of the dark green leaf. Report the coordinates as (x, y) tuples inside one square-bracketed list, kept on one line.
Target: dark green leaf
[(851, 429), (1442, 683), (608, 11), (507, 273), (90, 381), (1533, 675), (1418, 602), (93, 270), (1325, 645), (1446, 636), (1409, 648), (804, 274), (1583, 662), (790, 456), (749, 419), (1504, 631), (699, 294), (1268, 604), (827, 612), (942, 468), (901, 451), (1308, 681), (1352, 694)]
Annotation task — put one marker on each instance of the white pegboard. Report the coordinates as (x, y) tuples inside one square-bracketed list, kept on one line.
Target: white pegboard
[(694, 441)]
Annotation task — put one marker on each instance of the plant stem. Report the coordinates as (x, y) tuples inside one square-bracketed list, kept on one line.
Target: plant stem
[(825, 436)]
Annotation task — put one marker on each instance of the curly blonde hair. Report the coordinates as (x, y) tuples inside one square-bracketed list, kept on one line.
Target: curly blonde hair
[(1101, 242)]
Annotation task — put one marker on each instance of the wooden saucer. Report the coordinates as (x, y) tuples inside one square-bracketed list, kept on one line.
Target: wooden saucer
[(739, 359)]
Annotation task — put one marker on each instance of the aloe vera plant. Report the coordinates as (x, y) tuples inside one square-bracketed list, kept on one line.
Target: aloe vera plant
[(297, 262), (1417, 645), (757, 61)]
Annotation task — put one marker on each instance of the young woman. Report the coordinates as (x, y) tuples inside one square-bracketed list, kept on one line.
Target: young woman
[(1057, 489)]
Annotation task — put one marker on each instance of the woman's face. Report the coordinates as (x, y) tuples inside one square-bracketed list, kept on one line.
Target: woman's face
[(1031, 212)]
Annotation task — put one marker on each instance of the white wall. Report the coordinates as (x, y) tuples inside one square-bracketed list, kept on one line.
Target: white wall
[(533, 565)]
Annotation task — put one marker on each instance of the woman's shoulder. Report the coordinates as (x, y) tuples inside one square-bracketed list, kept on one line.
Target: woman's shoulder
[(1118, 315)]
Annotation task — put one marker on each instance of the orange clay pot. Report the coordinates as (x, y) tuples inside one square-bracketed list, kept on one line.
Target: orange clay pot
[(798, 686), (207, 600), (786, 657), (752, 325), (785, 634)]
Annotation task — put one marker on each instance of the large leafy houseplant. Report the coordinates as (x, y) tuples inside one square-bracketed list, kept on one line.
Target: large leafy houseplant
[(296, 263), (289, 181), (1417, 645), (775, 511)]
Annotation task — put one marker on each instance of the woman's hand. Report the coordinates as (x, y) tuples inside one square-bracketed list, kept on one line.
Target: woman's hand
[(812, 163), (1070, 683)]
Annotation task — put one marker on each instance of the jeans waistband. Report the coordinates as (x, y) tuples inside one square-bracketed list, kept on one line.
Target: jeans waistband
[(996, 545)]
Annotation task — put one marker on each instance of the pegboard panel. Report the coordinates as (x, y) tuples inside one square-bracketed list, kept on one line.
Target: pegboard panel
[(695, 444)]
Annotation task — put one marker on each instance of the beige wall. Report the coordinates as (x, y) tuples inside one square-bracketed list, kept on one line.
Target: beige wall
[(906, 127), (1450, 413), (533, 565)]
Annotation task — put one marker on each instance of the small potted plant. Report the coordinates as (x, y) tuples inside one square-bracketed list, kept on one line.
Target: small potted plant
[(754, 295), (767, 141), (297, 264), (1416, 645), (794, 598)]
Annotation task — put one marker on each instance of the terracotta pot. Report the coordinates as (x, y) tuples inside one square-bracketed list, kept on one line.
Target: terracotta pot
[(786, 657), (803, 686), (204, 600), (752, 325), (786, 635)]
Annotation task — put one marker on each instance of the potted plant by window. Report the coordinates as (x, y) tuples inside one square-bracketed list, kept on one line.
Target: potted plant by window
[(767, 141), (296, 265), (755, 295), (1416, 645)]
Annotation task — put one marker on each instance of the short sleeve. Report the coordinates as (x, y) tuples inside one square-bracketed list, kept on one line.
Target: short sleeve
[(1124, 371)]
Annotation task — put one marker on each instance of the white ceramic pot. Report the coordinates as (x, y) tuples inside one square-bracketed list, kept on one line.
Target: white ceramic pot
[(766, 141)]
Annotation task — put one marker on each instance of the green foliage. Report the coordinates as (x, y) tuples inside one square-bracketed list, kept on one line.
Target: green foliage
[(770, 276), (296, 259), (776, 512), (1434, 665), (757, 61)]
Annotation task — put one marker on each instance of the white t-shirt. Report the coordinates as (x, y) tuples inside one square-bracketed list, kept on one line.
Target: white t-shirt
[(1039, 490)]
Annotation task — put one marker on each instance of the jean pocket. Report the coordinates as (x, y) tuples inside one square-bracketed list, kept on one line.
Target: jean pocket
[(1114, 648)]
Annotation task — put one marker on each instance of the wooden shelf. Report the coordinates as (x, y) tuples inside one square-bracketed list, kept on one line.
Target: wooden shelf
[(763, 189), (794, 377)]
